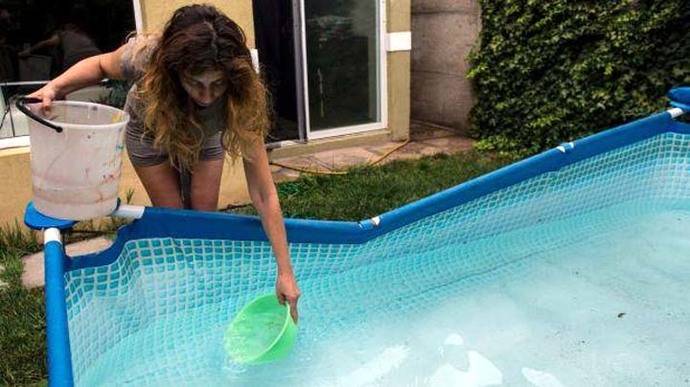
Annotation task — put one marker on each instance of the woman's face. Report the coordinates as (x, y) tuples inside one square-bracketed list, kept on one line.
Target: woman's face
[(205, 87)]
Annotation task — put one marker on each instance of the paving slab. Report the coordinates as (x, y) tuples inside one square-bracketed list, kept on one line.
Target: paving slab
[(34, 272)]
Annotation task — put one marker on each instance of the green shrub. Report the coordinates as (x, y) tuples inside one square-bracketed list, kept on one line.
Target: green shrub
[(552, 71)]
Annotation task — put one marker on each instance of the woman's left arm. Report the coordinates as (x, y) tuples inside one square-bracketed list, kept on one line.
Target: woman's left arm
[(264, 196)]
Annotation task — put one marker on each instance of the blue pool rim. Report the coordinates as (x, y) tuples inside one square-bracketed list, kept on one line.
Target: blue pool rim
[(159, 222)]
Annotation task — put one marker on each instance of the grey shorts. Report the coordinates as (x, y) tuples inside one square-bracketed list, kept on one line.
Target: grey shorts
[(143, 153)]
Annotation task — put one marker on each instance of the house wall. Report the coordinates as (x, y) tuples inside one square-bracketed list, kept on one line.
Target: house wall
[(15, 190), (443, 34), (155, 13), (399, 20)]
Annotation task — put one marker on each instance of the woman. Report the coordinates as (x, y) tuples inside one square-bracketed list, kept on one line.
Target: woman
[(196, 97)]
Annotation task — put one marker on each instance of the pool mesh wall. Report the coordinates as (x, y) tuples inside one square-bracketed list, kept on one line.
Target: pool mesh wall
[(141, 297)]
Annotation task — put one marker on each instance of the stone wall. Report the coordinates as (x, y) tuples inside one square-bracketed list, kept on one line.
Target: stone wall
[(443, 34)]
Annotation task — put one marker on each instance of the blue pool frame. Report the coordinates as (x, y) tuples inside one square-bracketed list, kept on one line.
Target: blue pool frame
[(157, 222)]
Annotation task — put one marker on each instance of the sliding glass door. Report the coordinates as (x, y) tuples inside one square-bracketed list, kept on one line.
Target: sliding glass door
[(324, 63), (343, 63)]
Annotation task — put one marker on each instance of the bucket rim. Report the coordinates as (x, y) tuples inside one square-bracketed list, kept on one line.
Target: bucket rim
[(67, 125)]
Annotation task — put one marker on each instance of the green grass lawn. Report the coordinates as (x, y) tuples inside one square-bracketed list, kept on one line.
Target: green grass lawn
[(369, 191), (22, 321), (361, 194)]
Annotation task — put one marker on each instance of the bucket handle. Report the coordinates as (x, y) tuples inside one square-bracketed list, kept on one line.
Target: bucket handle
[(21, 105)]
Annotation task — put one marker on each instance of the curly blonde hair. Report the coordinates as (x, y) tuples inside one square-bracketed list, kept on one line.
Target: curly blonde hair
[(199, 38)]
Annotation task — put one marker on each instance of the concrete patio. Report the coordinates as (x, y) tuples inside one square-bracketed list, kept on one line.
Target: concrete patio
[(425, 140)]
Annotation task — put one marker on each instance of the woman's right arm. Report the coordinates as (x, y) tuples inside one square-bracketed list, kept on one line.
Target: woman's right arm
[(87, 72)]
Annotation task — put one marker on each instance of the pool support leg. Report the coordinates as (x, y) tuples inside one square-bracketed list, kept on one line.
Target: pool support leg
[(57, 333)]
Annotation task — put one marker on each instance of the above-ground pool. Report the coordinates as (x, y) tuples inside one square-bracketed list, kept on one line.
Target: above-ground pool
[(569, 268)]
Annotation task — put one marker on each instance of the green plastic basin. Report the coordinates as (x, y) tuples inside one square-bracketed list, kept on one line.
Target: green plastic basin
[(263, 331)]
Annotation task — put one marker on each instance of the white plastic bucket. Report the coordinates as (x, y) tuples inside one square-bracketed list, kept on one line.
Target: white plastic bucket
[(76, 172)]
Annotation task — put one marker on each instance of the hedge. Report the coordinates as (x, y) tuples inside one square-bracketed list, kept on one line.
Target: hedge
[(545, 72)]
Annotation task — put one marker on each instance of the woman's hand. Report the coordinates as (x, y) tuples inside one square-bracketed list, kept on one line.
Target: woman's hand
[(47, 94), (288, 291)]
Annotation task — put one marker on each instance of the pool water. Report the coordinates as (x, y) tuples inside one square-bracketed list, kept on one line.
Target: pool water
[(594, 298)]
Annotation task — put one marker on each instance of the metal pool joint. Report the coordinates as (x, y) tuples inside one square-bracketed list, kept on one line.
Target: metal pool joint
[(566, 147), (129, 211), (676, 111), (370, 223), (376, 220)]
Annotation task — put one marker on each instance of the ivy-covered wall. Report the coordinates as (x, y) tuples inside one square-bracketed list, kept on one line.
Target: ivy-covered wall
[(545, 72)]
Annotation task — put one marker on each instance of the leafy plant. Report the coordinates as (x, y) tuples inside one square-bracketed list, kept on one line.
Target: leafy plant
[(552, 71)]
